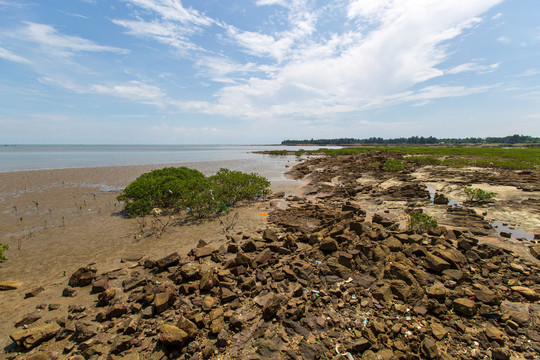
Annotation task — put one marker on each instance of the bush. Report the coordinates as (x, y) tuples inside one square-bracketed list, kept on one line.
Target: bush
[(391, 165), (157, 189), (420, 222), (184, 188), (3, 247), (424, 160), (478, 194)]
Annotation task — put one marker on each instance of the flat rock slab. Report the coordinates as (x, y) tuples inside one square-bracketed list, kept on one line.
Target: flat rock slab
[(9, 285)]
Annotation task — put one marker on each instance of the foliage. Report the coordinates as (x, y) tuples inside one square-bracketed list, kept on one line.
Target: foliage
[(157, 189), (424, 160), (418, 140), (476, 194), (391, 165), (3, 247), (420, 222), (183, 188)]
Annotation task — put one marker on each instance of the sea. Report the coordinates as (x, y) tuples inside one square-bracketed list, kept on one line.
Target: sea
[(41, 157)]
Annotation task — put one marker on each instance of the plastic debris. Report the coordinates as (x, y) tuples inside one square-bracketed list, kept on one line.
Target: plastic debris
[(347, 354)]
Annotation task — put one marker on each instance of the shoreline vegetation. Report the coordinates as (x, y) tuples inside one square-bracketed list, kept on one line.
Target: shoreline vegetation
[(514, 140), (454, 156)]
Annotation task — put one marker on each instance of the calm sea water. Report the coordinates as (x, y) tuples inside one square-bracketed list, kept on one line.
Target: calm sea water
[(37, 157)]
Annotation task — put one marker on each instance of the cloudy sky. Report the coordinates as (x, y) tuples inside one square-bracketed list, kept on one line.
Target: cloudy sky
[(260, 71)]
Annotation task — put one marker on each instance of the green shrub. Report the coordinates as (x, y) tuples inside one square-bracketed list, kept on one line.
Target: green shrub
[(184, 188), (391, 165), (420, 222), (3, 247), (480, 195), (161, 188)]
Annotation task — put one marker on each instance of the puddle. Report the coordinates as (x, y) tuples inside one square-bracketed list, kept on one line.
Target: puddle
[(432, 192), (516, 233)]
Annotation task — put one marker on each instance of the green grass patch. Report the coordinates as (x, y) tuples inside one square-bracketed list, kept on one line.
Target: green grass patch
[(392, 165), (420, 222), (3, 247), (424, 160)]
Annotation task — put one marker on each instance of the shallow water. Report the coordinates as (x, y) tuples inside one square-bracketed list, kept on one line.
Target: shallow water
[(515, 232), (40, 157)]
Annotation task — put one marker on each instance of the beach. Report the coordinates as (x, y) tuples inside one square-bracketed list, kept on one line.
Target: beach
[(56, 221)]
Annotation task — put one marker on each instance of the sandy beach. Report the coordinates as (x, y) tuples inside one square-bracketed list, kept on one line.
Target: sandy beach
[(56, 221)]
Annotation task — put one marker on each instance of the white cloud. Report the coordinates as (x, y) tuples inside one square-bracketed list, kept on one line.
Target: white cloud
[(60, 44), (472, 66), (133, 90), (530, 72), (496, 16), (8, 55), (174, 10), (271, 2), (504, 40)]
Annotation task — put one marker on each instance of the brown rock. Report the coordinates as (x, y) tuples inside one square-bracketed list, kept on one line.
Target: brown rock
[(172, 336), (464, 306), (116, 310), (204, 251), (28, 319), (34, 292), (100, 286), (190, 270), (328, 244), (208, 280), (32, 337), (9, 285), (429, 348), (82, 277), (69, 292), (436, 263), (188, 326), (272, 306), (168, 261), (262, 258)]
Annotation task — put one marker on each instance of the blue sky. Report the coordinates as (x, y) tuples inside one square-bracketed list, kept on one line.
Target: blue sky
[(261, 71)]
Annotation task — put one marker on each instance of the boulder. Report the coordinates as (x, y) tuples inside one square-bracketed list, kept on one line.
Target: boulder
[(82, 277), (464, 306), (172, 336)]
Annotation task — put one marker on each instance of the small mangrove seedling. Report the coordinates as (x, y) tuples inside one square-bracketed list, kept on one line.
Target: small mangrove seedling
[(14, 208), (36, 205), (479, 195), (63, 222), (421, 223)]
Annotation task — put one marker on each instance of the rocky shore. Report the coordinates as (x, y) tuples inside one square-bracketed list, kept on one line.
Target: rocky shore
[(335, 274)]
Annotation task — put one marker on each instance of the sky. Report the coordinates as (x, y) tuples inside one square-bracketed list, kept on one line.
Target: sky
[(262, 71)]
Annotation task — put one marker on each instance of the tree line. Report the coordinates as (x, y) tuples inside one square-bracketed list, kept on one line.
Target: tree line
[(418, 140)]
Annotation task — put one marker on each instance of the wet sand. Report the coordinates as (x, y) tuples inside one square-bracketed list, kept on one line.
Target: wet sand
[(56, 221)]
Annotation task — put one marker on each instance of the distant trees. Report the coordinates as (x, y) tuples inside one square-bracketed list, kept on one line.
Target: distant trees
[(418, 140)]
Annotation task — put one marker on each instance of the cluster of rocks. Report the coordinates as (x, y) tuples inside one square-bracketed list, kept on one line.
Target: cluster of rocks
[(320, 282)]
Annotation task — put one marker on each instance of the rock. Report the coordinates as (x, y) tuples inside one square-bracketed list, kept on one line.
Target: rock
[(190, 270), (485, 295), (436, 263), (9, 285), (69, 292), (204, 251), (494, 334), (116, 310), (244, 260), (34, 292), (272, 306), (32, 337), (360, 345), (436, 291), (500, 354), (168, 261), (227, 295), (262, 258), (106, 296), (28, 319), (464, 306), (429, 348), (163, 300), (328, 244), (100, 286), (82, 277), (188, 326), (207, 281), (535, 251), (439, 331), (440, 199), (526, 292), (172, 336), (269, 235)]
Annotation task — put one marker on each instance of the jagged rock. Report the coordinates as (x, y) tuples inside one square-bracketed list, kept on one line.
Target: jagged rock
[(190, 270), (172, 336), (168, 261), (116, 310), (429, 348), (436, 263), (208, 280), (106, 296), (535, 251), (32, 337), (494, 334), (204, 251), (188, 326), (270, 235), (440, 199), (527, 292), (272, 306), (82, 277)]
